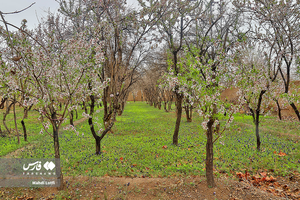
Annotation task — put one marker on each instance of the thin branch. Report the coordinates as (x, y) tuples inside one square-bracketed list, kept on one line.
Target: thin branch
[(6, 23), (18, 11)]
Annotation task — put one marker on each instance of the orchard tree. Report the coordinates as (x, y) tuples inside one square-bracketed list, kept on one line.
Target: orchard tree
[(210, 52), (57, 72), (173, 28), (15, 97), (157, 66), (277, 25), (205, 82), (127, 44), (254, 80), (124, 33)]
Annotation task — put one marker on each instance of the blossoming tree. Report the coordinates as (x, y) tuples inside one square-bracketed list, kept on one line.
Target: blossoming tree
[(56, 71), (277, 26)]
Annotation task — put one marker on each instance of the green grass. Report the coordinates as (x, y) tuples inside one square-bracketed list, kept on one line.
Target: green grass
[(135, 148), (9, 143)]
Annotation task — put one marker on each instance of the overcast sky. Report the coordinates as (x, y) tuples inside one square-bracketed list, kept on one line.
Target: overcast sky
[(38, 10)]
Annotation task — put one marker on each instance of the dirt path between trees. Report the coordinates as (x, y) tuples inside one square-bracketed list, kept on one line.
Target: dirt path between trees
[(117, 188)]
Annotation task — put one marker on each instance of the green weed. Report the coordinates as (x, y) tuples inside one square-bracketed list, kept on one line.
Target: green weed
[(141, 146)]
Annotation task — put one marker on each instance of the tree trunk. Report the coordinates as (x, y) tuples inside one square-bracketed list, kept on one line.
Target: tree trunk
[(72, 118), (159, 105), (26, 109), (191, 113), (98, 145), (96, 137), (121, 109), (296, 110), (169, 105), (209, 162), (279, 110), (257, 134), (104, 100), (188, 112), (1, 133), (8, 106), (57, 153), (176, 110), (3, 102), (165, 106), (257, 119), (91, 125), (178, 120), (24, 130), (15, 120), (120, 112)]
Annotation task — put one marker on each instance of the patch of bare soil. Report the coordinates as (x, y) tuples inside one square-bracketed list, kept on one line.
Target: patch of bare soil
[(179, 188), (287, 187)]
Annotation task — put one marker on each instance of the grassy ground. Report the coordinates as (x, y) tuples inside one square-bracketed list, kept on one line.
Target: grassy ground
[(141, 146), (9, 143)]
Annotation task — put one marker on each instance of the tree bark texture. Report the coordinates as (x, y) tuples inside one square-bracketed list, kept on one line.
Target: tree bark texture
[(170, 105), (256, 119), (165, 106), (24, 130), (15, 120), (257, 135), (279, 110), (295, 110), (3, 102), (188, 112), (91, 125), (72, 117), (121, 109), (159, 105), (56, 150), (209, 162), (8, 106), (178, 120)]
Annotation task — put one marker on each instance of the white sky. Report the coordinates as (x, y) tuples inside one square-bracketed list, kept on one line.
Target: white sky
[(37, 11)]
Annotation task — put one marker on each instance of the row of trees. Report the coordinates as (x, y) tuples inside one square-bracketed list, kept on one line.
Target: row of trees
[(251, 45), (184, 51)]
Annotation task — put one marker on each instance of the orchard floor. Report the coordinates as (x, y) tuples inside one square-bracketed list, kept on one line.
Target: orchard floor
[(170, 187), (118, 188)]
